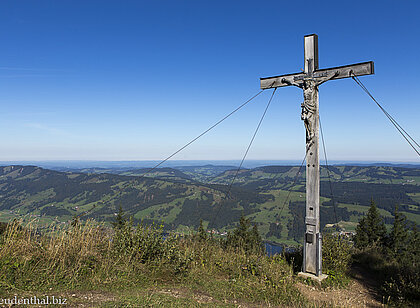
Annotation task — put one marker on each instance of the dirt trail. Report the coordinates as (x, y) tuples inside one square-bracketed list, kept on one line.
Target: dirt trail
[(361, 292)]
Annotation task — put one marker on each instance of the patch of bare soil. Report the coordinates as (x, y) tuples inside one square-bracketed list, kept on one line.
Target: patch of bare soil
[(87, 298), (361, 292), (203, 298), (199, 297)]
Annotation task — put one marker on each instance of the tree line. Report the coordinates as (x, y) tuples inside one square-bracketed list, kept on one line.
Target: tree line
[(394, 256)]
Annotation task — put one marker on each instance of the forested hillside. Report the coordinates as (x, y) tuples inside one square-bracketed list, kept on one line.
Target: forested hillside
[(177, 198), (29, 190)]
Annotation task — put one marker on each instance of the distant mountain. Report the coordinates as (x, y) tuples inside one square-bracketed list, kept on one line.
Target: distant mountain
[(46, 193), (394, 165), (73, 165), (205, 173), (197, 173), (364, 174), (355, 185), (161, 173), (272, 196)]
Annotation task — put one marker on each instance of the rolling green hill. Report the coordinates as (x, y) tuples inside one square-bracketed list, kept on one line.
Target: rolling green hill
[(52, 195), (177, 198)]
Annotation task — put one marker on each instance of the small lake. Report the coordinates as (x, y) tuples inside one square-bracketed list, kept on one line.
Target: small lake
[(274, 248)]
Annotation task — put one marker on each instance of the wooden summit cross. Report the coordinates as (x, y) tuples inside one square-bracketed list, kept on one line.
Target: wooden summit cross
[(309, 80)]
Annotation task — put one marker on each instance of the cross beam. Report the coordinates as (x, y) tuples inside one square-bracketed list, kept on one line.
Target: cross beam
[(360, 69), (309, 80)]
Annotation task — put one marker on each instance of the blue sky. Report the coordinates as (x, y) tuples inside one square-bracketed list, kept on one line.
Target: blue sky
[(136, 80)]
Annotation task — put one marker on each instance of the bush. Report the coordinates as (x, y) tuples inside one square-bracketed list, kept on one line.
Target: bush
[(336, 253), (336, 258), (148, 244), (245, 237), (396, 264), (294, 256)]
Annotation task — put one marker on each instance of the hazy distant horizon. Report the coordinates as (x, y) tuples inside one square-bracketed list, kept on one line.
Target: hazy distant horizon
[(252, 163)]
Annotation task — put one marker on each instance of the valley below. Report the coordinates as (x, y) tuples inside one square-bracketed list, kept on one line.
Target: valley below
[(272, 197)]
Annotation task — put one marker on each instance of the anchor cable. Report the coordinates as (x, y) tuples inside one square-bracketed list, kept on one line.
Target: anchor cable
[(328, 171), (391, 119), (294, 182), (202, 134), (227, 194), (193, 140), (252, 140)]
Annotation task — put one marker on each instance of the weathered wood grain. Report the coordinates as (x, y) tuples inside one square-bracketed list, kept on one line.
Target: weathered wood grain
[(346, 71), (309, 80)]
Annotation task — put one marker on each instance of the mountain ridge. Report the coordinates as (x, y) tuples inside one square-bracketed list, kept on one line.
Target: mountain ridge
[(181, 200)]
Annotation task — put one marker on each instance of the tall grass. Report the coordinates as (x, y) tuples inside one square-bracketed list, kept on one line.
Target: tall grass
[(234, 273), (59, 257), (91, 256)]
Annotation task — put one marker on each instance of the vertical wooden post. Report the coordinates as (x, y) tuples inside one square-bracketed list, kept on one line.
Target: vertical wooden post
[(312, 238), (309, 80)]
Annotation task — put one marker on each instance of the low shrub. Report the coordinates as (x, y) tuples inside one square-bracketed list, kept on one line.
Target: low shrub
[(148, 244), (336, 259), (336, 253), (294, 256), (90, 256)]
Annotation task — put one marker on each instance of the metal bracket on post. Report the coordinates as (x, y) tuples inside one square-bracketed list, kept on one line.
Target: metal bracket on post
[(319, 254), (304, 255), (318, 276)]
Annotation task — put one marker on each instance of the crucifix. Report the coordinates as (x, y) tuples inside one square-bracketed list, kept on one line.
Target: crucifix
[(308, 81)]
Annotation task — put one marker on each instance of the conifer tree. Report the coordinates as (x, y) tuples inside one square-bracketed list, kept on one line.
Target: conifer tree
[(371, 229), (399, 235), (245, 237), (201, 232), (413, 255), (256, 237), (119, 219)]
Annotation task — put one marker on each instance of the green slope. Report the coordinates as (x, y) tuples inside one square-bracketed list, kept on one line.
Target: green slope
[(175, 198)]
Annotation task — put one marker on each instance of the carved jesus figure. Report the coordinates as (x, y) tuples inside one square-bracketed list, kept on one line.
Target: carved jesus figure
[(309, 108), (309, 102)]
